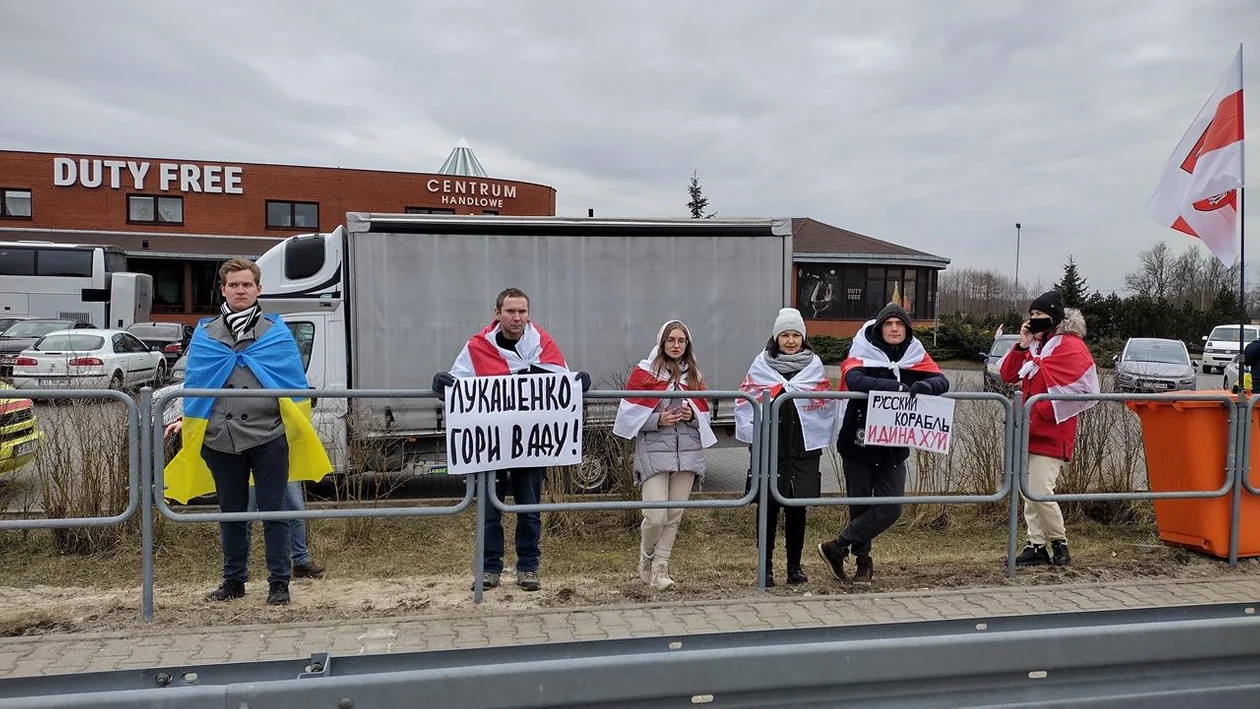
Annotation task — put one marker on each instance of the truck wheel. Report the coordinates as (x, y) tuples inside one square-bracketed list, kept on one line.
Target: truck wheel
[(592, 476)]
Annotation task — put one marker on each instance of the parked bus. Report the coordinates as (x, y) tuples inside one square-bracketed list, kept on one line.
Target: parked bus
[(87, 282)]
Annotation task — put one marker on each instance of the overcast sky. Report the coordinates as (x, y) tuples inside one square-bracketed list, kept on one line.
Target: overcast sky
[(937, 125)]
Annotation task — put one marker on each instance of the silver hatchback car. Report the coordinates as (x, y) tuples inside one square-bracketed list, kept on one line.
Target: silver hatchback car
[(1151, 364)]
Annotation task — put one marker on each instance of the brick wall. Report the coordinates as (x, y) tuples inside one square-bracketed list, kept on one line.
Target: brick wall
[(337, 191)]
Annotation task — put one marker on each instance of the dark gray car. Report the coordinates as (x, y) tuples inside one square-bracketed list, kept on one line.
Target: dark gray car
[(1152, 364), (992, 377)]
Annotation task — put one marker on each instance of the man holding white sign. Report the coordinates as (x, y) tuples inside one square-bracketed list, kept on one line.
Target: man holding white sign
[(885, 357), (498, 419)]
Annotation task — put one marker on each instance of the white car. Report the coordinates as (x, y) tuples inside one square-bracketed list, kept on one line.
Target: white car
[(1221, 346), (1230, 381), (88, 359)]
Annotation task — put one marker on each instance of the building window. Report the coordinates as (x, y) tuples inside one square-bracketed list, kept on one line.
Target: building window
[(853, 292), (427, 210), (490, 211), (292, 215), (150, 209), (15, 203)]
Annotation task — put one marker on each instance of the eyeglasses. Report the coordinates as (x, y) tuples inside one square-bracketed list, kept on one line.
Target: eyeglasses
[(675, 341)]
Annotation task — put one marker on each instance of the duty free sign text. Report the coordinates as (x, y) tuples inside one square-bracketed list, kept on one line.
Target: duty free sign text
[(524, 421), (899, 420)]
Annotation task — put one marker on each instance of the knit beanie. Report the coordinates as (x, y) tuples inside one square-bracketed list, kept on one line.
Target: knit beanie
[(1050, 303), (789, 319)]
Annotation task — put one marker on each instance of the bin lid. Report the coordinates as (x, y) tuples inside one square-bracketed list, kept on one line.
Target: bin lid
[(1182, 403)]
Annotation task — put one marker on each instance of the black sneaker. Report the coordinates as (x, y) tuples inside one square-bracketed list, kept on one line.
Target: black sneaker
[(279, 594), (229, 591), (796, 576), (834, 553), (865, 569), (1034, 555), (1061, 556)]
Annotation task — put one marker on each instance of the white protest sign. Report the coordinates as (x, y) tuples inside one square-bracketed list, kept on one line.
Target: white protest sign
[(899, 420), (525, 421)]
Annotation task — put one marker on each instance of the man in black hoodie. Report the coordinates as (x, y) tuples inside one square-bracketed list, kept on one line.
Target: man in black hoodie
[(885, 356)]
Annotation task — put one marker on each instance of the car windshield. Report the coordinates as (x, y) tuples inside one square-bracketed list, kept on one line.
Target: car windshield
[(155, 330), (1158, 352), (36, 328), (1001, 347), (67, 342), (1229, 333)]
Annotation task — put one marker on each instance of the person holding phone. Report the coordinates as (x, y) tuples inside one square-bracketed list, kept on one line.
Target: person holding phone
[(670, 436)]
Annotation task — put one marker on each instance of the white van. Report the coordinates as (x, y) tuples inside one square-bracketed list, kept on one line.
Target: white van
[(1220, 347)]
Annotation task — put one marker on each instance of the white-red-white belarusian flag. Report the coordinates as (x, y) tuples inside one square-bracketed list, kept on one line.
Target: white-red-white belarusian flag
[(1198, 194)]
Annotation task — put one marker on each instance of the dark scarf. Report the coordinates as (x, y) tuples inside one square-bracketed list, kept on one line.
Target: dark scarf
[(241, 323)]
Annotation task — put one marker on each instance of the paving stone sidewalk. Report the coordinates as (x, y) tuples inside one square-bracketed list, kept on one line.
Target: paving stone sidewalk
[(141, 648)]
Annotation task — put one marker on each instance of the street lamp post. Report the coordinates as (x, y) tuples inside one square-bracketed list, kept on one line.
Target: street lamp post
[(1017, 228)]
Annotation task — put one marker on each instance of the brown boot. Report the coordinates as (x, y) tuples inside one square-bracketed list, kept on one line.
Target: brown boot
[(308, 570), (865, 569)]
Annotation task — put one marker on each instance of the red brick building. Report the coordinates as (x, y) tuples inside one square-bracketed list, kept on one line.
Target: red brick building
[(178, 219), (843, 278)]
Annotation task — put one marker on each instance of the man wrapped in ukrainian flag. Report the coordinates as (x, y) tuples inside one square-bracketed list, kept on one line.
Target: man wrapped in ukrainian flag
[(229, 442)]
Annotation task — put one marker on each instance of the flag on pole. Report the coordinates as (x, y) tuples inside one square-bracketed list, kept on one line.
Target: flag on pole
[(1198, 193)]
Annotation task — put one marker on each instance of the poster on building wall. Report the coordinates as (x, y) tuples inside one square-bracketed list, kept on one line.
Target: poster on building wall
[(821, 292)]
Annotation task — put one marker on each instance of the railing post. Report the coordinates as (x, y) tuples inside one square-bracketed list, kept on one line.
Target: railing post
[(1016, 455), (1235, 464), (762, 471), (479, 536), (147, 455)]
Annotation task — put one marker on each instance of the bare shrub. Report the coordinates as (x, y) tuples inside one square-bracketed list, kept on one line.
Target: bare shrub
[(83, 471), (607, 466), (1108, 457), (364, 479)]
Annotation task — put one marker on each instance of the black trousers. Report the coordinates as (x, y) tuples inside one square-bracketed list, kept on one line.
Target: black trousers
[(866, 522), (793, 529), (269, 463)]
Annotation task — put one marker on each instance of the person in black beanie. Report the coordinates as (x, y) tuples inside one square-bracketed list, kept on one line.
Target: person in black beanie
[(885, 356)]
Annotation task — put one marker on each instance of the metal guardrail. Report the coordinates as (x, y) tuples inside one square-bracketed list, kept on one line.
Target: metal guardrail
[(147, 461), (134, 445), (1151, 658)]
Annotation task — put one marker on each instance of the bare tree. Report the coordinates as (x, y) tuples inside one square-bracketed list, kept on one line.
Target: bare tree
[(982, 292), (1155, 272)]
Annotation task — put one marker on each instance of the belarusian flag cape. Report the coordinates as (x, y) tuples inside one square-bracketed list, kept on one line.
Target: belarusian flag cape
[(820, 424), (1068, 368), (864, 354), (633, 413), (482, 356)]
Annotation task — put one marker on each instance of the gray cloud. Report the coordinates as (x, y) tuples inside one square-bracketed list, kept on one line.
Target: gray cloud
[(936, 125)]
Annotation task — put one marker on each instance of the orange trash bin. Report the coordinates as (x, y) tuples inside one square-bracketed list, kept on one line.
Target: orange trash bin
[(1185, 443)]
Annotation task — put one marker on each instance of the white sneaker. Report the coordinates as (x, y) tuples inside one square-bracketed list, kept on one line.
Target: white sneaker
[(645, 567), (660, 576)]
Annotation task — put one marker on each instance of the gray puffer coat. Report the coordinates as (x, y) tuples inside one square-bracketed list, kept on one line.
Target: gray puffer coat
[(668, 449)]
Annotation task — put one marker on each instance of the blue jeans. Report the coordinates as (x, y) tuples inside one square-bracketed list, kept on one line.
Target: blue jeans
[(294, 500), (525, 485), (269, 463)]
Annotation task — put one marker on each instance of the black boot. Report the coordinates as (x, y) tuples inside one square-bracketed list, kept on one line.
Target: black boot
[(230, 590), (796, 575), (1034, 555), (834, 553), (1060, 557), (279, 593)]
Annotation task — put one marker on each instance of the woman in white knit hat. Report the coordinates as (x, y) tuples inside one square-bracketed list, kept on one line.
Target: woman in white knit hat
[(806, 426)]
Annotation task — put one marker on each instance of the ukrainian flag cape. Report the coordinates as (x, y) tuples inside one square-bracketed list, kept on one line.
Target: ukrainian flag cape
[(275, 360)]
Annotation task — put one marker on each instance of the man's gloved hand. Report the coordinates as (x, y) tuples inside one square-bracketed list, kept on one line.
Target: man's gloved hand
[(441, 380), (920, 388), (585, 379)]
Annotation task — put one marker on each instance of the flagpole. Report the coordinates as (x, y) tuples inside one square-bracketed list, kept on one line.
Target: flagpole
[(1242, 245)]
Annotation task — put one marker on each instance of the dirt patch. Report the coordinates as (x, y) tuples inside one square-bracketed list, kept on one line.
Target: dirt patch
[(423, 567)]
